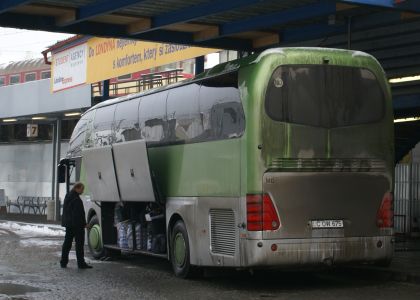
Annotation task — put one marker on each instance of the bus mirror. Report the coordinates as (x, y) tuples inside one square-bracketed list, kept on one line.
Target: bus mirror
[(61, 174)]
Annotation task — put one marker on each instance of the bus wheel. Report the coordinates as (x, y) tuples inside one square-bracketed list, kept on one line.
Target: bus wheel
[(180, 252), (385, 263), (95, 238)]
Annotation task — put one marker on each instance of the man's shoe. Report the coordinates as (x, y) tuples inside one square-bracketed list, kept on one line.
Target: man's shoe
[(63, 265), (85, 266)]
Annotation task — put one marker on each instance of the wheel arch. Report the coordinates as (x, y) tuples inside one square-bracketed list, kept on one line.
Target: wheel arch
[(172, 221), (91, 214), (183, 208)]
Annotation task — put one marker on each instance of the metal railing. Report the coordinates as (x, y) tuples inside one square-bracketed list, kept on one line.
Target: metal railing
[(145, 82)]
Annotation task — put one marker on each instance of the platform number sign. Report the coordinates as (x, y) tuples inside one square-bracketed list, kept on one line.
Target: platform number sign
[(32, 130)]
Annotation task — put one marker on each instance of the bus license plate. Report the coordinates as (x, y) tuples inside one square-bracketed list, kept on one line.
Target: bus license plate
[(319, 224)]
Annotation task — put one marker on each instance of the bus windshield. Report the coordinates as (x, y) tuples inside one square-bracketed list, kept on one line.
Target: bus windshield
[(324, 96)]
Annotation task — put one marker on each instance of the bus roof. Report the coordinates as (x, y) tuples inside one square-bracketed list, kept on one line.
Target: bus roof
[(231, 66)]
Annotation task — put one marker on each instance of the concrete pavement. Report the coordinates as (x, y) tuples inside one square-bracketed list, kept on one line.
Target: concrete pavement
[(29, 270)]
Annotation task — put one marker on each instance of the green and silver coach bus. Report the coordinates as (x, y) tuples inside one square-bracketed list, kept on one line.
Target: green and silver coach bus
[(280, 159)]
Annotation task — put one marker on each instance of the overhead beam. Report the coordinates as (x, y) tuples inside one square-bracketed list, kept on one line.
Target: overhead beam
[(7, 5), (366, 27), (406, 101), (309, 32), (405, 5), (380, 3), (98, 8), (138, 26), (206, 34), (195, 12), (66, 17), (279, 18), (266, 41)]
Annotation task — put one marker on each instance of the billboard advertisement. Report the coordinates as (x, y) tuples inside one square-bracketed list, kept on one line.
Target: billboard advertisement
[(69, 68), (109, 58), (99, 59)]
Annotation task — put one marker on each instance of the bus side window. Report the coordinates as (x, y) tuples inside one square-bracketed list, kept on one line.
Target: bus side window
[(221, 108), (152, 117), (102, 126), (79, 134), (184, 120), (126, 122)]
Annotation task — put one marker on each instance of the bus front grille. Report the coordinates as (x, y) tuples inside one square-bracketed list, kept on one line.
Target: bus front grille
[(223, 231), (328, 164)]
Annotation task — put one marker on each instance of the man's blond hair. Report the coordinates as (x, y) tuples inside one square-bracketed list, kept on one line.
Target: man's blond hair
[(78, 185)]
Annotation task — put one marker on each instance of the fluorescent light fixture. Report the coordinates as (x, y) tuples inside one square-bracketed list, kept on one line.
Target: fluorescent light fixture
[(39, 118), (405, 79), (9, 120), (412, 119), (72, 114)]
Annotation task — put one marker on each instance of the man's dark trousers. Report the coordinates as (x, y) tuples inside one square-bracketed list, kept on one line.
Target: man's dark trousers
[(79, 235)]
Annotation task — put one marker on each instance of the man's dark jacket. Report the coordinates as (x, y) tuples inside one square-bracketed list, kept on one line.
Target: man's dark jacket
[(73, 211)]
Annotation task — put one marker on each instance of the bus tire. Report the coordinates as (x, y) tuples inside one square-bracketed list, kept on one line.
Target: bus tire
[(180, 252), (384, 263), (95, 238)]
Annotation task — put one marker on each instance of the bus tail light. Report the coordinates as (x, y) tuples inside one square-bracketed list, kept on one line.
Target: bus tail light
[(385, 215), (261, 213)]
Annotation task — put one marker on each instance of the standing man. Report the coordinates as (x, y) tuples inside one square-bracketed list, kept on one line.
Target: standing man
[(74, 220)]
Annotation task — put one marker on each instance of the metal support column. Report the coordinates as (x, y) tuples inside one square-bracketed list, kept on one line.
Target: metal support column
[(54, 164), (57, 215), (349, 32), (105, 91), (199, 65)]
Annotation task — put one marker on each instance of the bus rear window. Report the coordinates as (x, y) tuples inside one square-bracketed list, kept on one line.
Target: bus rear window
[(324, 96)]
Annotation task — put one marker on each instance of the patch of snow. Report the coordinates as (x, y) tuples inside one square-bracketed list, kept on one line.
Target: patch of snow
[(26, 229), (40, 242)]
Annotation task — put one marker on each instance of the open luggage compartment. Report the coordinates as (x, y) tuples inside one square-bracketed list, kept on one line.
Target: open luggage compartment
[(133, 216)]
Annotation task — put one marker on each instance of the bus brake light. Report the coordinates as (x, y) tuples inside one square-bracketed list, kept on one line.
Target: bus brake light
[(261, 213), (385, 215)]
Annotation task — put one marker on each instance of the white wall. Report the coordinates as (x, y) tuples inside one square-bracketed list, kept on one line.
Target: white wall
[(35, 97), (26, 169)]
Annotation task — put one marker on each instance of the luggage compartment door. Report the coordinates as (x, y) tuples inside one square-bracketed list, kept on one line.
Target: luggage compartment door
[(100, 174), (133, 173)]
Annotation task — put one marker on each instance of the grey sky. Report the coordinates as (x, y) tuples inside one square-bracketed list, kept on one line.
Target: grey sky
[(16, 44)]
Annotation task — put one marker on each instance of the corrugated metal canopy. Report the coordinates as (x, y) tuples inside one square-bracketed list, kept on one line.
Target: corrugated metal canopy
[(233, 24)]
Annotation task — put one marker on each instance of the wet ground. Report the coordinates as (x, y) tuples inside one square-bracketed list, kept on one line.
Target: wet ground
[(29, 269)]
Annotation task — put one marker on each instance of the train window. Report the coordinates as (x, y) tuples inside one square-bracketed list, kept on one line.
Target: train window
[(324, 96), (102, 126), (79, 134), (152, 117), (221, 108), (126, 121), (2, 81), (183, 115), (14, 79), (46, 74), (30, 77)]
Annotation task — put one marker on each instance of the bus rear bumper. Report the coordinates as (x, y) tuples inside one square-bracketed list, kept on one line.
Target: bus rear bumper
[(317, 251)]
